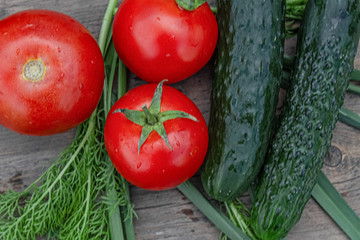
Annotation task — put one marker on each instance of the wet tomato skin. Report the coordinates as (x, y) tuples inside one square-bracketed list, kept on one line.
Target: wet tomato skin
[(156, 166), (70, 87), (157, 40)]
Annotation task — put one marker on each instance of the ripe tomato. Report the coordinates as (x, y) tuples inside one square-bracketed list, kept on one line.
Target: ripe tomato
[(51, 72), (156, 162), (157, 40)]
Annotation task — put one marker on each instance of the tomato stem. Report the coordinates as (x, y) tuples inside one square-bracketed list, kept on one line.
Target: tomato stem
[(190, 5), (150, 118)]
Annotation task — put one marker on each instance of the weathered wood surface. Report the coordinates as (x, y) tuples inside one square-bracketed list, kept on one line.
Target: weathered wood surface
[(169, 214)]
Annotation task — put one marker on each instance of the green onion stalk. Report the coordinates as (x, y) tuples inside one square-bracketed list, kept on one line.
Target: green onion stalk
[(215, 215), (120, 217)]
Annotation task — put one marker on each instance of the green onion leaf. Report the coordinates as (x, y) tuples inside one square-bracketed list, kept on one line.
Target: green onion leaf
[(349, 117), (335, 205), (355, 75), (354, 89), (215, 216)]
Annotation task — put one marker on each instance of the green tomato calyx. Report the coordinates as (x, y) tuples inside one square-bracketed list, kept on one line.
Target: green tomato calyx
[(151, 119), (190, 5)]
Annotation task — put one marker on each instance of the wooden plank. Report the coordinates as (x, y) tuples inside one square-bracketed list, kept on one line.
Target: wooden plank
[(169, 214)]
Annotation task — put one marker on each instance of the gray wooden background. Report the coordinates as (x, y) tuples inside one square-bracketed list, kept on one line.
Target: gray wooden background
[(169, 214)]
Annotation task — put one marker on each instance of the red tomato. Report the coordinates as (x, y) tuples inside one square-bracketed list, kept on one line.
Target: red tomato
[(158, 40), (51, 72), (156, 165)]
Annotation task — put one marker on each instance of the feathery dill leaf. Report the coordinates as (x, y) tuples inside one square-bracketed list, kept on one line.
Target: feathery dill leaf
[(70, 201)]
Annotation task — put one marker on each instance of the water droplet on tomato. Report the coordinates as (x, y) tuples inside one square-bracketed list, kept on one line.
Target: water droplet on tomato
[(138, 165), (81, 86), (116, 150), (130, 28), (59, 50), (17, 52)]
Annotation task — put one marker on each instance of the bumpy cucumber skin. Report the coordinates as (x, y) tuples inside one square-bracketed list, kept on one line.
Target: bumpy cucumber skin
[(326, 49), (245, 91)]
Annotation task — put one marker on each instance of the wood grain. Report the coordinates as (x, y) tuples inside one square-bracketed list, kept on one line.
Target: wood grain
[(169, 214)]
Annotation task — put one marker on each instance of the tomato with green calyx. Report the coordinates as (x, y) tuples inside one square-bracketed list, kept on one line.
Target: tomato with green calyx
[(160, 39), (51, 72), (156, 137)]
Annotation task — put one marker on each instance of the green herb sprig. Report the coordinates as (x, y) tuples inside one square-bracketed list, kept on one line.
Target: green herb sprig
[(293, 13), (80, 196)]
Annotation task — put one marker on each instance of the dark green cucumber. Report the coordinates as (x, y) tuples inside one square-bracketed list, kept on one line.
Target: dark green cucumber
[(326, 48), (244, 96)]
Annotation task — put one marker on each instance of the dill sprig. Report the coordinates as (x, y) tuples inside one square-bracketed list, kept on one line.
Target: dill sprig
[(295, 9), (81, 195), (239, 214), (293, 13), (63, 193)]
